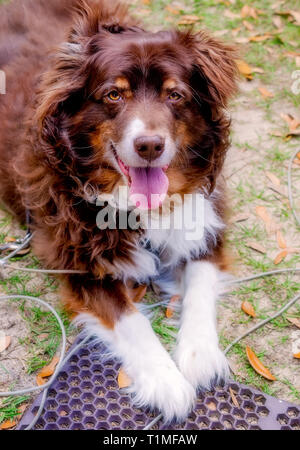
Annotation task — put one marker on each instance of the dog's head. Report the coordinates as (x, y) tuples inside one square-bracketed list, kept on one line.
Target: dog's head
[(123, 105)]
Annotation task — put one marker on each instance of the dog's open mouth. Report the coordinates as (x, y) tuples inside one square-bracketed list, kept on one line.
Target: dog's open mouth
[(148, 185)]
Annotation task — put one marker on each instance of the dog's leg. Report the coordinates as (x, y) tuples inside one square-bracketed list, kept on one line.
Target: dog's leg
[(197, 352), (156, 381)]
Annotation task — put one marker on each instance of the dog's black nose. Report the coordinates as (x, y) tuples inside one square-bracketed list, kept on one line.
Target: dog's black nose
[(149, 147)]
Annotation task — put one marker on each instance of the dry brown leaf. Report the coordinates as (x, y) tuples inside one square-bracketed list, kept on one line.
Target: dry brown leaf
[(123, 379), (9, 239), (235, 31), (220, 33), (293, 123), (233, 398), (296, 355), (4, 342), (280, 240), (296, 16), (280, 257), (172, 10), (8, 424), (241, 217), (241, 40), (294, 321), (258, 365), (249, 11), (146, 2), (230, 15), (260, 37), (247, 307), (212, 406), (189, 19), (275, 180), (281, 190), (170, 308), (244, 69), (46, 371), (248, 25), (265, 93), (268, 221), (297, 61), (257, 70), (256, 246), (277, 22)]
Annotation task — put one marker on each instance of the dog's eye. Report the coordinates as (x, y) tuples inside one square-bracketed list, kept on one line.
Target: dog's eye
[(174, 96), (114, 96)]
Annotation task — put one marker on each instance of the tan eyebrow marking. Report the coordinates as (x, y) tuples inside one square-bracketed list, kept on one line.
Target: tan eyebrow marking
[(122, 84), (169, 84)]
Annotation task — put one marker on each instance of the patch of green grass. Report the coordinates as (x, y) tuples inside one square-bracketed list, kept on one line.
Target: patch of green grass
[(163, 328), (9, 408), (44, 335)]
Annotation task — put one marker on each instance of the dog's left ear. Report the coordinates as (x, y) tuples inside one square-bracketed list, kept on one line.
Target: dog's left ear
[(215, 63)]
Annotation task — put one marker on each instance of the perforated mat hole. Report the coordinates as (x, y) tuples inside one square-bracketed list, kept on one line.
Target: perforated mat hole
[(128, 425), (292, 412), (238, 413), (64, 423), (40, 425), (246, 394), (89, 422), (115, 421), (51, 404), (88, 410), (62, 412), (77, 426), (74, 381), (214, 415), (216, 426), (101, 415), (51, 417), (295, 424), (201, 410), (249, 406), (52, 393), (202, 422), (99, 391), (62, 398), (241, 425), (228, 422), (252, 419), (75, 404), (76, 416), (87, 398), (259, 400), (114, 408), (263, 411), (75, 392), (62, 376), (224, 408), (282, 419), (100, 403)]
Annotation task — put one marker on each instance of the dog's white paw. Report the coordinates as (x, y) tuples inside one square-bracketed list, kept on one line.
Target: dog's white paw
[(202, 363), (165, 388)]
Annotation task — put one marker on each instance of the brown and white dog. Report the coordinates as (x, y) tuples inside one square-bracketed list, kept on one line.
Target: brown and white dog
[(116, 106)]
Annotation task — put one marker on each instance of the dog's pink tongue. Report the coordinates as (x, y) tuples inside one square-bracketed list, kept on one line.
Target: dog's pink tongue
[(149, 186)]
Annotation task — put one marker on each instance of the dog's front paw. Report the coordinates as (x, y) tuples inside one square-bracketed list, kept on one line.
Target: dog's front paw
[(165, 388), (202, 364)]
